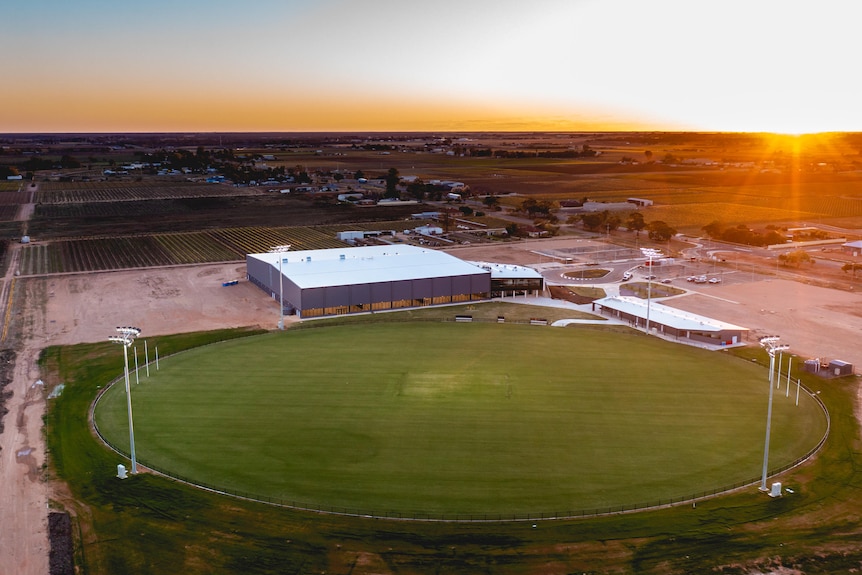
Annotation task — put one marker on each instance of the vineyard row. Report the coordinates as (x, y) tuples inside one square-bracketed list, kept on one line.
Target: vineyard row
[(99, 254)]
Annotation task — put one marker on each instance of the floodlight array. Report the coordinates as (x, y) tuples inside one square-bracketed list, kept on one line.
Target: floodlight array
[(127, 335), (280, 250), (771, 345), (126, 338)]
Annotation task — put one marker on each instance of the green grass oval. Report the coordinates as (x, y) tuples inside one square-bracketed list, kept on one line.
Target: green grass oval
[(459, 418)]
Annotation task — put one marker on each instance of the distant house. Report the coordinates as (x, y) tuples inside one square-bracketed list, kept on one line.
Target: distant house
[(429, 230), (853, 248), (640, 202)]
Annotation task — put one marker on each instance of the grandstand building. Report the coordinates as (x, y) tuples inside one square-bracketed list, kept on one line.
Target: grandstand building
[(671, 322), (376, 278), (510, 279)]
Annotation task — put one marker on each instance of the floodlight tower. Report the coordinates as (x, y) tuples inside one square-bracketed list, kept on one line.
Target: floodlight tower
[(650, 253), (126, 338), (771, 345), (280, 250)]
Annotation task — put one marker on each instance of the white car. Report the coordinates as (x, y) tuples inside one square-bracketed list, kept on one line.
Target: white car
[(715, 280)]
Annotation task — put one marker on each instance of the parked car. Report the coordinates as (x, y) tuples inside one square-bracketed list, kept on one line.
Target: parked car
[(715, 280), (666, 281)]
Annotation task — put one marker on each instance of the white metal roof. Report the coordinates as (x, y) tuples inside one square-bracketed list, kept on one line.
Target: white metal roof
[(665, 315), (366, 264), (500, 271)]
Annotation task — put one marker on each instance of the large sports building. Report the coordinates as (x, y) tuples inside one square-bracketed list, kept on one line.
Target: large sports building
[(372, 278)]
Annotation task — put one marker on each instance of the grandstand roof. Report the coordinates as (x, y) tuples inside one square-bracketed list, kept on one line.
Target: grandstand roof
[(499, 271), (366, 264), (665, 315)]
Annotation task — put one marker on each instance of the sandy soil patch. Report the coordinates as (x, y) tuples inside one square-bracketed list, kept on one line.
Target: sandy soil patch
[(87, 308), (813, 321), (527, 252)]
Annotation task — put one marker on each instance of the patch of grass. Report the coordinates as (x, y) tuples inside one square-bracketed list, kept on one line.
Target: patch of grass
[(119, 532), (408, 418), (642, 290), (593, 293), (587, 273)]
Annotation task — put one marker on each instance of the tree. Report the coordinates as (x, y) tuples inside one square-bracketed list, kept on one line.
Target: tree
[(594, 220), (648, 155), (493, 202), (713, 229), (660, 231), (796, 258), (534, 207), (636, 222), (851, 267), (417, 189), (6, 171), (358, 175), (68, 161), (392, 180)]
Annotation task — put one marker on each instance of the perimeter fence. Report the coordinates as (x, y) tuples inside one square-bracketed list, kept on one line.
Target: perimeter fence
[(466, 517)]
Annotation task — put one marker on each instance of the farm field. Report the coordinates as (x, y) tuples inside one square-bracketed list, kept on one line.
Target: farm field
[(475, 428), (59, 193), (112, 253), (185, 214)]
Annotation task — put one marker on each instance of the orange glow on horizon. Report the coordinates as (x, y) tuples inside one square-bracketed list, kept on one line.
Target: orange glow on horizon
[(105, 108)]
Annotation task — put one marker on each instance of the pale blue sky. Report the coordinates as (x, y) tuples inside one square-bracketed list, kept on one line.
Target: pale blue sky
[(96, 65)]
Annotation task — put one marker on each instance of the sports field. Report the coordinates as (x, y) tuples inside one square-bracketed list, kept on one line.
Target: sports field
[(448, 419)]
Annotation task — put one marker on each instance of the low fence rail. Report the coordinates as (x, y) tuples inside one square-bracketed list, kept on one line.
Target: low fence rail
[(469, 517)]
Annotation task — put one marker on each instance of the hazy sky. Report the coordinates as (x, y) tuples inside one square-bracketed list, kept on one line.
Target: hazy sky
[(330, 65)]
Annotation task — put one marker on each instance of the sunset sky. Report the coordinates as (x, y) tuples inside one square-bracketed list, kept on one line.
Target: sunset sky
[(446, 65)]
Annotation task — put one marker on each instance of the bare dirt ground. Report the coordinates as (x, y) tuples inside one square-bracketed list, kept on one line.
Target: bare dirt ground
[(815, 322), (519, 253), (87, 308)]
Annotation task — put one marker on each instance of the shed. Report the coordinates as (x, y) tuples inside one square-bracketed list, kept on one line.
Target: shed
[(839, 368), (853, 248)]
